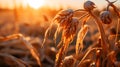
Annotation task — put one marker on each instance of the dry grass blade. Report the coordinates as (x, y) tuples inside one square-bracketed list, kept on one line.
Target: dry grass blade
[(117, 30), (81, 35), (59, 57), (79, 10), (60, 43), (13, 51), (33, 51), (111, 59), (57, 33), (87, 63), (85, 20), (87, 53), (14, 36), (11, 60), (84, 15), (61, 54), (46, 34)]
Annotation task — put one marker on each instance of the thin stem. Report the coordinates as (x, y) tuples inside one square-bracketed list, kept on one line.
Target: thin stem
[(61, 54), (108, 7), (114, 7), (118, 14), (56, 34), (46, 34), (86, 14), (79, 10), (85, 20), (87, 54), (117, 30), (105, 43)]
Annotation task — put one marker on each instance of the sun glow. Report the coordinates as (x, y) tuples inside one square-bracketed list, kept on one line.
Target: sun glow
[(35, 3)]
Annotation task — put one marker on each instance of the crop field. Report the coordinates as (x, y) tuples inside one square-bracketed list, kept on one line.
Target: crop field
[(46, 37)]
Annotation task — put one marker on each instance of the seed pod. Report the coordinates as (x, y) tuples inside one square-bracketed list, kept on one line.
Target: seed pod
[(105, 16), (89, 5)]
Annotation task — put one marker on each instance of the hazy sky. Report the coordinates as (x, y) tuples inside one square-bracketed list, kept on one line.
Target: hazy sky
[(57, 3)]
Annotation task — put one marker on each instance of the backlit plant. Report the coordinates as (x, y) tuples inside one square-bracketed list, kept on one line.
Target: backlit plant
[(70, 35), (68, 25)]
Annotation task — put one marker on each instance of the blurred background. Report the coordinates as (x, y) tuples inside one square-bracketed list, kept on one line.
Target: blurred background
[(32, 17)]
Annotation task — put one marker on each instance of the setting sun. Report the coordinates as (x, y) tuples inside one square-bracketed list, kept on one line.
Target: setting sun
[(35, 3)]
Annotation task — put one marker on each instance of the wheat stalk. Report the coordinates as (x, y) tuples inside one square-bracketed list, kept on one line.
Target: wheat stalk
[(68, 35)]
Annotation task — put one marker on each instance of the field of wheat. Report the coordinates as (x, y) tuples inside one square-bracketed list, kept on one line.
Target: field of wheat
[(60, 38)]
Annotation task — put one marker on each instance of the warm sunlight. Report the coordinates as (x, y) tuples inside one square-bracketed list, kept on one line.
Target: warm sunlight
[(35, 3)]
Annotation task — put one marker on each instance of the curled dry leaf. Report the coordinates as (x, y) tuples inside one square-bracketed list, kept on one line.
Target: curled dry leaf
[(81, 35)]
